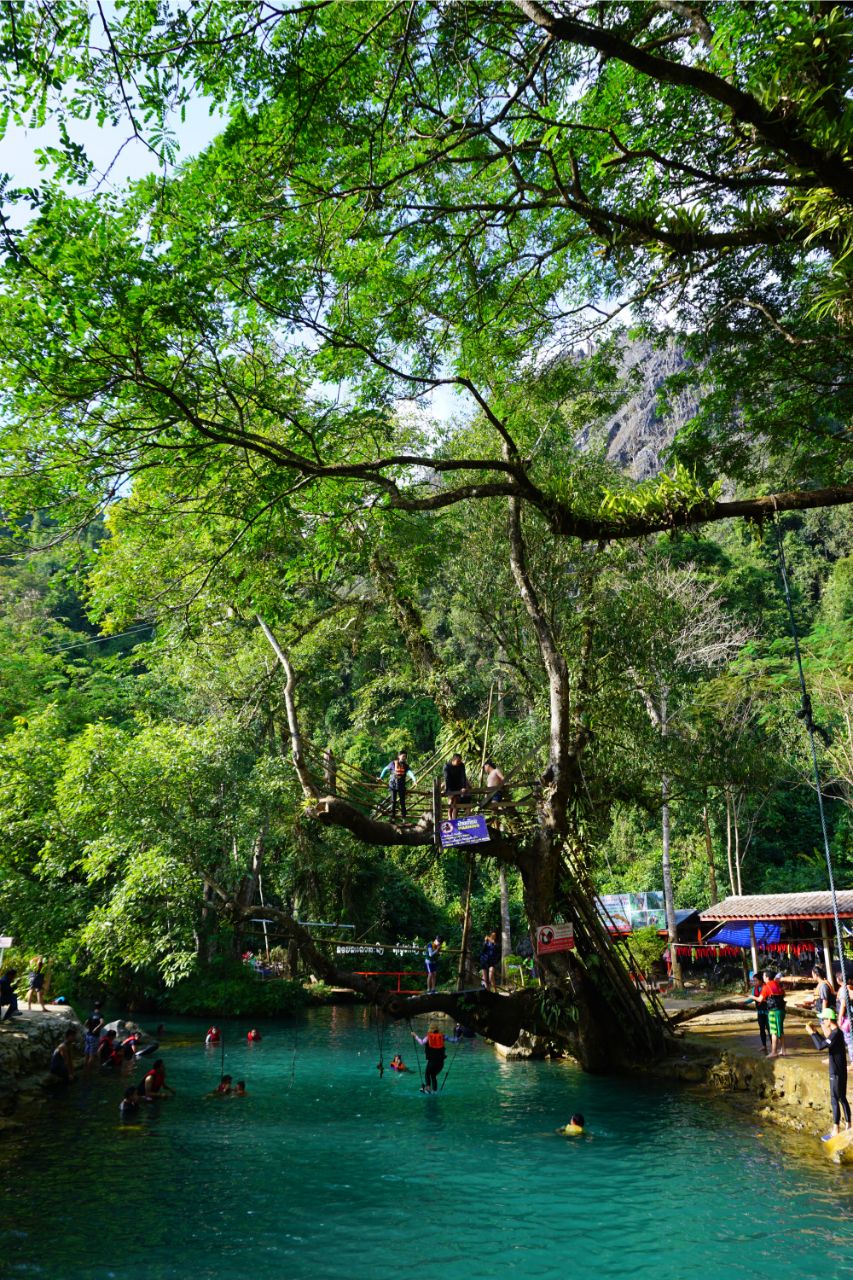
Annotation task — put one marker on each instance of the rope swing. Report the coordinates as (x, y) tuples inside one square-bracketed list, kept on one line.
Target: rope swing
[(805, 714)]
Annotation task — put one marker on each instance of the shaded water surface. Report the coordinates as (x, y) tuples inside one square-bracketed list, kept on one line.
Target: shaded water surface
[(325, 1170)]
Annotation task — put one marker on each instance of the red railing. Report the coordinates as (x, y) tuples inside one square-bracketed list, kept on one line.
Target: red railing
[(398, 974)]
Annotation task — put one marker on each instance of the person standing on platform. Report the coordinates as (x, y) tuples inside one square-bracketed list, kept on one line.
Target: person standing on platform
[(399, 776), (433, 953), (830, 1037), (455, 784), (488, 961)]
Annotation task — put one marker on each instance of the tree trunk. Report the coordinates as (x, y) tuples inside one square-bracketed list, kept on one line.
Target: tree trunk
[(668, 895), (709, 850), (736, 824), (506, 934), (729, 841)]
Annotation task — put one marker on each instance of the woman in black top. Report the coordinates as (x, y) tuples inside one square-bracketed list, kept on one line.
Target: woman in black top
[(830, 1037)]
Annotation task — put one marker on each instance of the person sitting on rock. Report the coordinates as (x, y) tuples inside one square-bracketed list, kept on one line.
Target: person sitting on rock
[(7, 995)]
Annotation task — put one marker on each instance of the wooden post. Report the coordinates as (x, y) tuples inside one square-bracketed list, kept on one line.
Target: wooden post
[(827, 949), (330, 770), (466, 927), (753, 947)]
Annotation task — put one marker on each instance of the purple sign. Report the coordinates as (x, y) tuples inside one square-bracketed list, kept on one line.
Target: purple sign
[(471, 830)]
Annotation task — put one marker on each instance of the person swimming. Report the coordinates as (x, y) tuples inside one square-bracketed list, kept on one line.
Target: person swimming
[(129, 1106), (222, 1089), (397, 1063), (240, 1091), (254, 1035), (213, 1036), (575, 1127)]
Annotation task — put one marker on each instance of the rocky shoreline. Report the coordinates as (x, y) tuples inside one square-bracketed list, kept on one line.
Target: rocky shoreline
[(26, 1045)]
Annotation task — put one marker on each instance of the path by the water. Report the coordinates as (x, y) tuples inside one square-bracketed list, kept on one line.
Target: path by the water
[(327, 1172)]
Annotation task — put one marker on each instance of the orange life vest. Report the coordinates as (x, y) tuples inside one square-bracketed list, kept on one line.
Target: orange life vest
[(401, 769), (435, 1040)]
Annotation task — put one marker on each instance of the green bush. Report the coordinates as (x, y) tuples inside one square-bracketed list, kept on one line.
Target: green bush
[(228, 988)]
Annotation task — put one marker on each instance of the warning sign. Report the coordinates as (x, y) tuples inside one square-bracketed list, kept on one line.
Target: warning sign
[(554, 937)]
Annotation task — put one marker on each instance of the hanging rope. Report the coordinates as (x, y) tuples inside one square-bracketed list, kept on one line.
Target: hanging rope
[(380, 1038), (417, 1051), (450, 1064), (805, 714)]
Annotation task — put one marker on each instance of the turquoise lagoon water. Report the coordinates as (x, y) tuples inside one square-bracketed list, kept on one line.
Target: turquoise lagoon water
[(327, 1171)]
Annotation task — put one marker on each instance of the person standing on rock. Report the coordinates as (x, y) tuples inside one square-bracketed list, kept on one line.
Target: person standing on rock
[(433, 952), (7, 995), (761, 1010), (772, 997), (36, 983), (830, 1037)]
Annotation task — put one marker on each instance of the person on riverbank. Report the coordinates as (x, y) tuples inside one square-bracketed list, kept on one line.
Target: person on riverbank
[(154, 1081), (844, 1008), (435, 1055), (433, 953), (830, 1037), (62, 1062), (772, 996), (7, 996), (455, 784), (488, 961), (760, 1009), (823, 996), (399, 777), (35, 983)]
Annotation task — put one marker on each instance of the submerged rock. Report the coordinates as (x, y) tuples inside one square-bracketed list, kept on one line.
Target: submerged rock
[(26, 1045)]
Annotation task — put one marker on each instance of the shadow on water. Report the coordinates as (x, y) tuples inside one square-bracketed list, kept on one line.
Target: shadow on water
[(327, 1170)]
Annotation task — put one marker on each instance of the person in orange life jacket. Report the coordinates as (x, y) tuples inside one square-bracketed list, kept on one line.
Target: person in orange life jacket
[(108, 1052), (435, 1054), (254, 1035), (772, 998), (399, 776), (213, 1036), (397, 1063), (222, 1089), (154, 1081)]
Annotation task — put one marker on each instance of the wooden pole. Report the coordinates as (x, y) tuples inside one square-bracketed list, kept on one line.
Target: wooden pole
[(466, 927), (827, 949), (753, 947)]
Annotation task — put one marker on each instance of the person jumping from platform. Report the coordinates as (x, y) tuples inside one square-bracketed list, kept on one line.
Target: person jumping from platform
[(399, 776), (433, 952), (455, 784), (829, 1036)]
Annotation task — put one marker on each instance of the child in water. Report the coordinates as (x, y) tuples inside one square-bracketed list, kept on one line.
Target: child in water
[(240, 1091), (129, 1106), (574, 1128), (223, 1088), (397, 1063)]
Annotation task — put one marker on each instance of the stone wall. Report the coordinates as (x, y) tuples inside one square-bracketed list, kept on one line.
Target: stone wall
[(26, 1045)]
